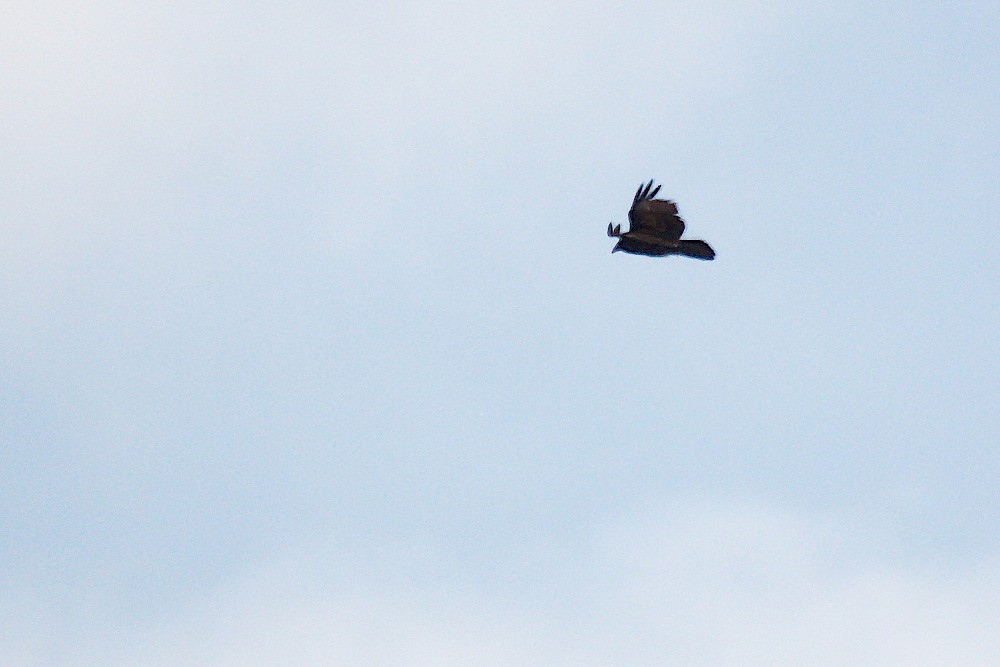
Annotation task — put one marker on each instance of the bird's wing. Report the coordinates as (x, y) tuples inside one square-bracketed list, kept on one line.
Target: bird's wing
[(656, 216)]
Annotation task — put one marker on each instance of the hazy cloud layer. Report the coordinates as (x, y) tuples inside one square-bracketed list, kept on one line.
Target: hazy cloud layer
[(692, 585), (312, 341)]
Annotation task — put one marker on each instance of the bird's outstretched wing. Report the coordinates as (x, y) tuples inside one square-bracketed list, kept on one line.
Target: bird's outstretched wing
[(656, 217)]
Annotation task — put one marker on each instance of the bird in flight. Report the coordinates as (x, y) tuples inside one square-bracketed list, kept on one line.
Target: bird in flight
[(655, 229)]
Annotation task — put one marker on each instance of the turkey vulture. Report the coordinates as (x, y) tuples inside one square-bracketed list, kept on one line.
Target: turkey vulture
[(655, 229)]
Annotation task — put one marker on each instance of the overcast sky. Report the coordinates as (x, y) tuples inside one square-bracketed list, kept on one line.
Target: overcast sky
[(314, 350)]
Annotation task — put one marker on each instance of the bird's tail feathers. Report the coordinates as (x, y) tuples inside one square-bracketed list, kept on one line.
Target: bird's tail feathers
[(696, 249)]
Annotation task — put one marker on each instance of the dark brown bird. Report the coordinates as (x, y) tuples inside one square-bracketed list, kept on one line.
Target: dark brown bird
[(655, 229)]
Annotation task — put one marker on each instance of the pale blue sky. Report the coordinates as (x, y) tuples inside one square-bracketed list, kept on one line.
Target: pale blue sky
[(314, 349)]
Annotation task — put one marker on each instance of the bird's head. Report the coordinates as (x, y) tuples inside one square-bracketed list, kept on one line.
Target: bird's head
[(618, 246)]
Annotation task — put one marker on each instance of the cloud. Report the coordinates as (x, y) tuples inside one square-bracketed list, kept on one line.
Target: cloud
[(687, 584), (725, 585), (230, 323)]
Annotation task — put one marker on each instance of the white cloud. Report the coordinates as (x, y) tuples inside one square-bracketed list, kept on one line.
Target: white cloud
[(685, 585), (752, 586)]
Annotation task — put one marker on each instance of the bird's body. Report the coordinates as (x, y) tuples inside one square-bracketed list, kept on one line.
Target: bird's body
[(655, 229)]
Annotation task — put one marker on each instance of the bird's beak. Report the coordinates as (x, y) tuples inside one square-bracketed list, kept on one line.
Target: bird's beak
[(615, 249)]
